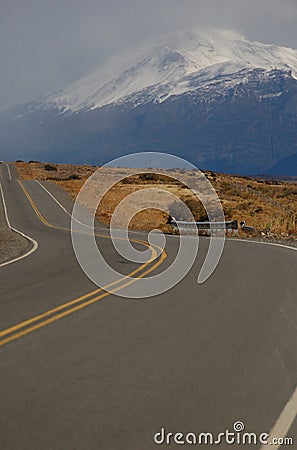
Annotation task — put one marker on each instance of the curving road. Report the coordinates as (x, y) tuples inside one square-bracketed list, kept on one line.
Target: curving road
[(85, 370)]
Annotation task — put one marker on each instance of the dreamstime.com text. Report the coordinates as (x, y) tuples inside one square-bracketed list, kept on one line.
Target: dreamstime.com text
[(238, 436)]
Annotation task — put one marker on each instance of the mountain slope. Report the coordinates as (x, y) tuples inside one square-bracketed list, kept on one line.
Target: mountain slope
[(211, 96), (168, 65)]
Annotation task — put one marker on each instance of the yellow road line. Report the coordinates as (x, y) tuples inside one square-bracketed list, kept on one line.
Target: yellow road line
[(35, 209), (63, 314), (46, 223), (75, 301), (79, 299)]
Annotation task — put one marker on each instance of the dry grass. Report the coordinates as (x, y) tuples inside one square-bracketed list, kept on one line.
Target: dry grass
[(263, 204)]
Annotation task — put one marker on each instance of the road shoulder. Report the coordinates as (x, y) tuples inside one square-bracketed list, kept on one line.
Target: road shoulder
[(12, 244)]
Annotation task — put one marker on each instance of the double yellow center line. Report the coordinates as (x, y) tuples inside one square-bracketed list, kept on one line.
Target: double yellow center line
[(52, 315)]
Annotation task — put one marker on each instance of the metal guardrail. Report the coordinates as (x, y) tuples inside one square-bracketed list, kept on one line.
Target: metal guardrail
[(180, 224)]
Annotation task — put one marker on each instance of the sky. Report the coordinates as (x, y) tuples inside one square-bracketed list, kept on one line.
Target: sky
[(47, 44)]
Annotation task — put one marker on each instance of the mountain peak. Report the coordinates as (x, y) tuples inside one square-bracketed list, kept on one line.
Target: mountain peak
[(165, 66)]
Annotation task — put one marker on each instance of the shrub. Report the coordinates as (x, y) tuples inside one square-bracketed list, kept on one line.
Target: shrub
[(178, 210), (73, 177), (49, 167)]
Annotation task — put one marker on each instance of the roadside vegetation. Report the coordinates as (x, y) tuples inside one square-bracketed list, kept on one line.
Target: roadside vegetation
[(268, 206)]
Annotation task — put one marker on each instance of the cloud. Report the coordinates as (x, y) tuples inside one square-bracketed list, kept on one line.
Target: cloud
[(45, 44)]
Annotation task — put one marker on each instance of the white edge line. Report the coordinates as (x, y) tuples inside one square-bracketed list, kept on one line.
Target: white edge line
[(249, 241), (284, 422), (61, 206), (264, 243), (9, 173), (77, 221), (35, 243), (54, 198)]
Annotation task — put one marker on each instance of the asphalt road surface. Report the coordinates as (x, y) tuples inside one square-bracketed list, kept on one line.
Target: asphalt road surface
[(85, 370)]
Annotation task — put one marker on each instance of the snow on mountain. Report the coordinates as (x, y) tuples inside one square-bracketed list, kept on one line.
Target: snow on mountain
[(172, 65)]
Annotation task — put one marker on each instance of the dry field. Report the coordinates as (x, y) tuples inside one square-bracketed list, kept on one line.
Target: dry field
[(270, 206)]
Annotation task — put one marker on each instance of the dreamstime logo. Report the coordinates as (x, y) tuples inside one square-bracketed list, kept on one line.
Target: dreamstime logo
[(238, 426), (91, 259)]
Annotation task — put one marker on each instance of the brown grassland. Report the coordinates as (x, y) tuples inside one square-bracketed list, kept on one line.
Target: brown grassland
[(269, 206)]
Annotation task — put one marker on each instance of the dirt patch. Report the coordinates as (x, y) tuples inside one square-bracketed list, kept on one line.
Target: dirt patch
[(12, 244)]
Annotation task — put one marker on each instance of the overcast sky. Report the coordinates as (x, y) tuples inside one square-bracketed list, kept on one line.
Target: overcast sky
[(45, 44)]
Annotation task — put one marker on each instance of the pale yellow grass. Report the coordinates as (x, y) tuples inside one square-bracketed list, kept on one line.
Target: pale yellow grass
[(261, 204)]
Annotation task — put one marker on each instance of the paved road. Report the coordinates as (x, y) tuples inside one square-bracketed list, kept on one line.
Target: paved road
[(110, 375)]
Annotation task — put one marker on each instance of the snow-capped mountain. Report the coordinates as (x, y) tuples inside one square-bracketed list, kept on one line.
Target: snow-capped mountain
[(211, 96), (172, 65)]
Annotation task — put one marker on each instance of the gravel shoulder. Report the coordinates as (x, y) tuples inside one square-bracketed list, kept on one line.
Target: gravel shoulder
[(12, 244)]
